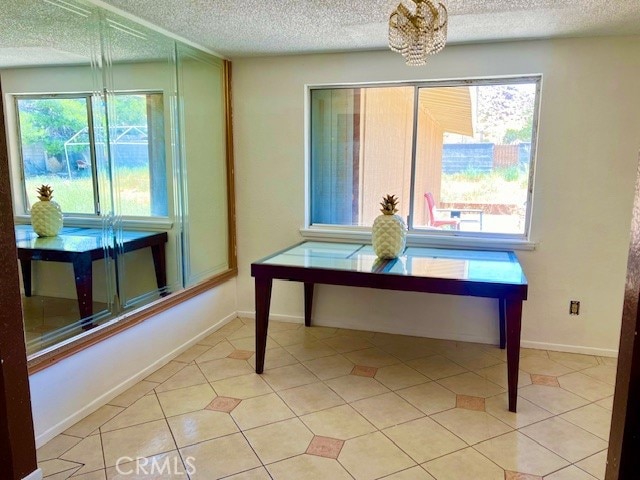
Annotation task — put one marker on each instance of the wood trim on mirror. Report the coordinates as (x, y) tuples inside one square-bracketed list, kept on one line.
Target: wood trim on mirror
[(127, 321)]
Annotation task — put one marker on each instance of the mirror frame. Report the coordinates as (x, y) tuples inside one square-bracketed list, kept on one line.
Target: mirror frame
[(130, 319)]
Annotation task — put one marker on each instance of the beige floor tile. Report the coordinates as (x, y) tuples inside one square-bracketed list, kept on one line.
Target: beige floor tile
[(436, 367), (147, 409), (321, 332), (56, 447), (606, 403), (429, 397), (604, 373), (221, 457), (543, 366), (97, 475), (471, 384), (243, 332), (93, 421), (88, 452), (274, 358), (280, 440), (399, 376), (220, 350), (344, 344), (527, 413), (285, 338), (609, 361), (143, 440), (554, 399), (192, 353), (195, 427), (259, 411), (224, 368), (592, 418), (470, 425), (570, 473), (310, 398), (565, 439), (467, 464), (348, 332), (249, 343), (188, 399), (386, 410), (255, 474), (163, 373), (244, 386), (373, 456), (213, 339), (371, 357), (288, 377), (136, 392), (279, 325), (56, 465), (310, 349), (585, 386), (424, 439), (165, 466), (574, 361), (341, 422), (498, 375), (354, 387), (474, 360), (518, 453), (329, 367), (187, 377), (308, 467), (595, 465), (413, 473)]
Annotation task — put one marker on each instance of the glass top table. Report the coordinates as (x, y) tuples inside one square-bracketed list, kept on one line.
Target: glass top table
[(479, 273), (80, 247)]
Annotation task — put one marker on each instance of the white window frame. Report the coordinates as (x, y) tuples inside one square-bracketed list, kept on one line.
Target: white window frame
[(433, 238)]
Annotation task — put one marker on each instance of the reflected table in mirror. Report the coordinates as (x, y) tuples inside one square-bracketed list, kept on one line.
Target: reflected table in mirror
[(80, 247), (475, 273)]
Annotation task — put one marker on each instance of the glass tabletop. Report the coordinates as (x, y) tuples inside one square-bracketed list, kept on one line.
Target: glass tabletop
[(73, 239), (472, 265)]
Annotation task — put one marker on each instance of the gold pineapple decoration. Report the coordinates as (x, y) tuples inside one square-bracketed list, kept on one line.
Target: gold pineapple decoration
[(389, 235), (46, 216)]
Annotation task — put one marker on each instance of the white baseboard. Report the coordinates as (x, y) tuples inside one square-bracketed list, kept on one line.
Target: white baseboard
[(35, 475), (461, 337), (71, 420)]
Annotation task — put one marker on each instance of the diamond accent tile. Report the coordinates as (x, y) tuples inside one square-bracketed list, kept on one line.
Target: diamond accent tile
[(223, 404), (240, 355), (325, 447), (364, 371), (470, 403), (547, 380)]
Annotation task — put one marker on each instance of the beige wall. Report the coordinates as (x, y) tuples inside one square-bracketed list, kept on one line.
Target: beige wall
[(587, 152)]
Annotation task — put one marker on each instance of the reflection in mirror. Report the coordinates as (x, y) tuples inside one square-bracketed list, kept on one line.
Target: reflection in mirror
[(91, 104), (48, 54)]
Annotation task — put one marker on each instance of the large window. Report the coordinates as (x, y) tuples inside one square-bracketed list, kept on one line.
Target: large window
[(61, 145), (459, 155)]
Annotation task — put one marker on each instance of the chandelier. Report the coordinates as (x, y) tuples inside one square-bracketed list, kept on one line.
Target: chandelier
[(418, 34)]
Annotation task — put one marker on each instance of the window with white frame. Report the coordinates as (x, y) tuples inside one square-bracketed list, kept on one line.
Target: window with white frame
[(61, 145), (459, 155)]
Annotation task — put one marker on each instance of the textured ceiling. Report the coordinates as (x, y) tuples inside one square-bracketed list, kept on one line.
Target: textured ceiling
[(237, 28)]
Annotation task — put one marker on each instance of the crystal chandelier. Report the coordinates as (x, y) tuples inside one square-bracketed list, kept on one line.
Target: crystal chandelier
[(418, 34)]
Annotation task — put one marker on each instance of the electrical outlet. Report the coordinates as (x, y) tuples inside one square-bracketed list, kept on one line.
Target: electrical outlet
[(574, 307)]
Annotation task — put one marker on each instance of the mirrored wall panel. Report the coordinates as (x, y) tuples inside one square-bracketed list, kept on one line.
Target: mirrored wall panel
[(122, 131)]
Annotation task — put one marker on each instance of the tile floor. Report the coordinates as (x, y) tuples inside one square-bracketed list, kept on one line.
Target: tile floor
[(342, 404)]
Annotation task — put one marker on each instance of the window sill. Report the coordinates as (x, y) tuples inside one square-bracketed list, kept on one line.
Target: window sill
[(363, 235), (158, 223)]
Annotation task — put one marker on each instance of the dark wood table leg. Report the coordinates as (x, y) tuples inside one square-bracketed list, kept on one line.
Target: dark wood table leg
[(159, 264), (263, 301), (513, 309), (25, 265), (308, 303), (503, 322), (84, 287)]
